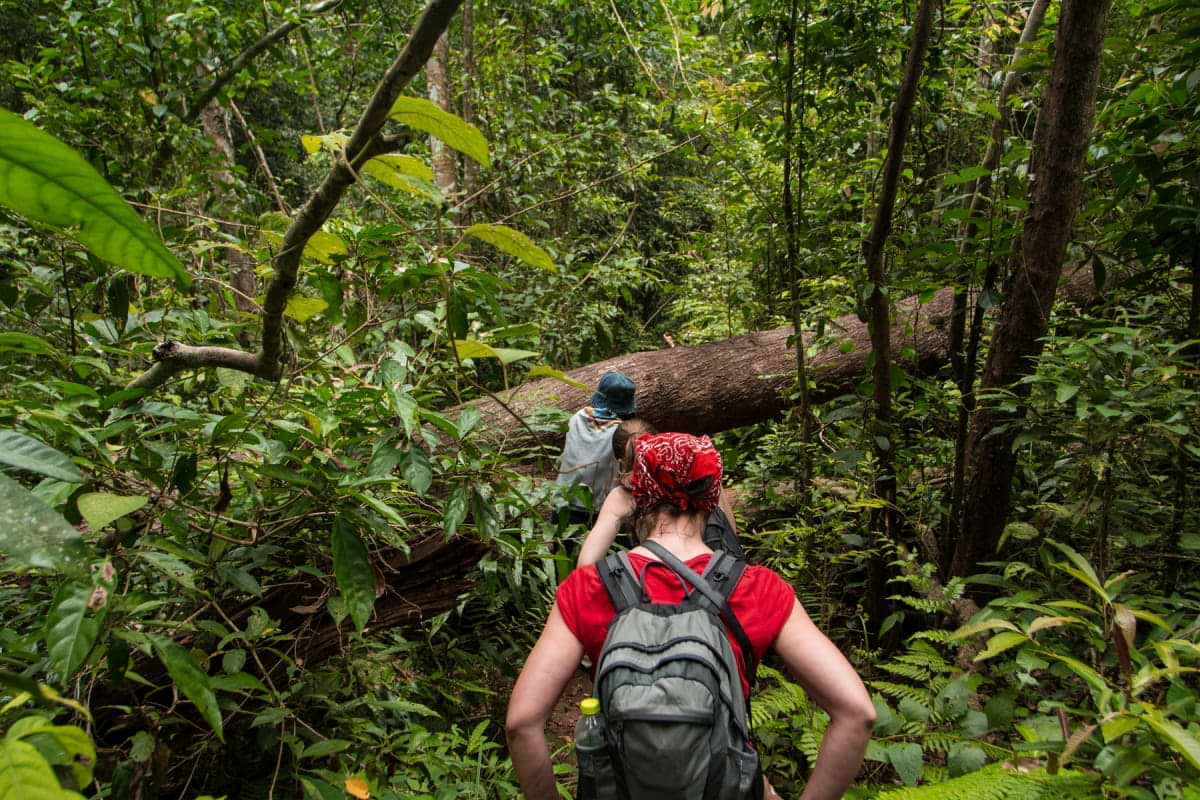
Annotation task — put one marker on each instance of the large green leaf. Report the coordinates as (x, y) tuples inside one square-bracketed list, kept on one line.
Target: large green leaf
[(34, 534), (49, 182), (25, 452), (469, 348), (26, 343), (102, 508), (353, 572), (70, 630), (63, 746), (907, 758), (1175, 735), (405, 173), (192, 681), (25, 775), (513, 242), (424, 115)]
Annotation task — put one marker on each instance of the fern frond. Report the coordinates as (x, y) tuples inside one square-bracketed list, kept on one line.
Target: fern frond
[(995, 782), (899, 691)]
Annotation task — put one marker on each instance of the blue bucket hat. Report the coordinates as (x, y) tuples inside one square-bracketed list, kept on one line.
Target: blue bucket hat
[(614, 396)]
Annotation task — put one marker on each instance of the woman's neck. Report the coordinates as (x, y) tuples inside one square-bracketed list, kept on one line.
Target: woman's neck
[(683, 536)]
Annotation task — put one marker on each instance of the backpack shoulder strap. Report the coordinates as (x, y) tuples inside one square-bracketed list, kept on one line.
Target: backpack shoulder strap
[(718, 599), (723, 573), (616, 574)]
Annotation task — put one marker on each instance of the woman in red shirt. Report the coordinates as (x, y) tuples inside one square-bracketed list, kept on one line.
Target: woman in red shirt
[(676, 482)]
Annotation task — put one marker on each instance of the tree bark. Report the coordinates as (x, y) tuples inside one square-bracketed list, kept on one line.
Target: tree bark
[(884, 519), (442, 157), (241, 264), (1059, 147)]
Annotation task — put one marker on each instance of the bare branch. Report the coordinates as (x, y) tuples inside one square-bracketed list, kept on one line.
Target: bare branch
[(173, 357)]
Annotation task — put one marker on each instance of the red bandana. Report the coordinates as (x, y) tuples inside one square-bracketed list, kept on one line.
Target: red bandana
[(664, 466)]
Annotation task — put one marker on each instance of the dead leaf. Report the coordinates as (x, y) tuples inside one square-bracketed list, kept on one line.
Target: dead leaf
[(358, 788)]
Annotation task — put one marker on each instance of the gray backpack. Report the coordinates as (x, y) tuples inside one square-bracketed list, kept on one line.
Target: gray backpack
[(668, 685)]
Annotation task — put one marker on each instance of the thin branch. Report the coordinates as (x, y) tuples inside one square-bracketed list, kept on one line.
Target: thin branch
[(249, 54), (280, 205)]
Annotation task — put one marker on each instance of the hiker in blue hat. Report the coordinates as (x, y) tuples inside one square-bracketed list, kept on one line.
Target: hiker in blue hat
[(587, 456)]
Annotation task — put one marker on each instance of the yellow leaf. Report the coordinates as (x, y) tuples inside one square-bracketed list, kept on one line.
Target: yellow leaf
[(358, 788), (302, 309), (148, 97)]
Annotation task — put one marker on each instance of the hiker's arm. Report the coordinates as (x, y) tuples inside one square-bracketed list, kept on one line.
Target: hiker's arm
[(617, 507), (827, 676), (550, 665)]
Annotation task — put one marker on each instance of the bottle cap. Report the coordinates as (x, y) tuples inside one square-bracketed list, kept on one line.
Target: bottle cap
[(589, 706)]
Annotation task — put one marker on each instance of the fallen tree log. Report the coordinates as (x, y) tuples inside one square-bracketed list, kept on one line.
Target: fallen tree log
[(723, 385)]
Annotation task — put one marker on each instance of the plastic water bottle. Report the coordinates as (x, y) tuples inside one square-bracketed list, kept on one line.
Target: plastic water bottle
[(591, 749)]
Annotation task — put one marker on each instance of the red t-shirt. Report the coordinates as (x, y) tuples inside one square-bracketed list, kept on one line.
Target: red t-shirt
[(762, 602)]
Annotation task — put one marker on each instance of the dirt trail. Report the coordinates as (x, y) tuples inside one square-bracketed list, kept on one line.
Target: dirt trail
[(561, 728)]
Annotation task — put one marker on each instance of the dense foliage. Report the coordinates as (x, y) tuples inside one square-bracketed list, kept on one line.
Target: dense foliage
[(318, 577)]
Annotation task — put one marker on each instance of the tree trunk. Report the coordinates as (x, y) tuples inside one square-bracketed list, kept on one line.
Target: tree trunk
[(470, 168), (884, 519), (444, 174), (241, 264), (964, 368), (1059, 147)]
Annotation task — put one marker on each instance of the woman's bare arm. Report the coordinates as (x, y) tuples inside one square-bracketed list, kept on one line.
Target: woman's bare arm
[(818, 666), (550, 665), (617, 507)]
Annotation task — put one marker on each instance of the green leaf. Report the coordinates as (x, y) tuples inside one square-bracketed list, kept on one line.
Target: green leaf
[(70, 630), (544, 371), (102, 508), (331, 141), (907, 758), (25, 775), (456, 510), (424, 115), (965, 175), (47, 181), (467, 421), (405, 173), (33, 533), (325, 748), (456, 314), (353, 572), (64, 746), (964, 758), (25, 452), (170, 566), (1176, 736), (469, 348), (1083, 570), (1002, 641), (418, 471), (302, 309), (191, 681), (142, 747), (1065, 392), (26, 343), (1092, 678), (513, 242), (983, 625), (323, 246)]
